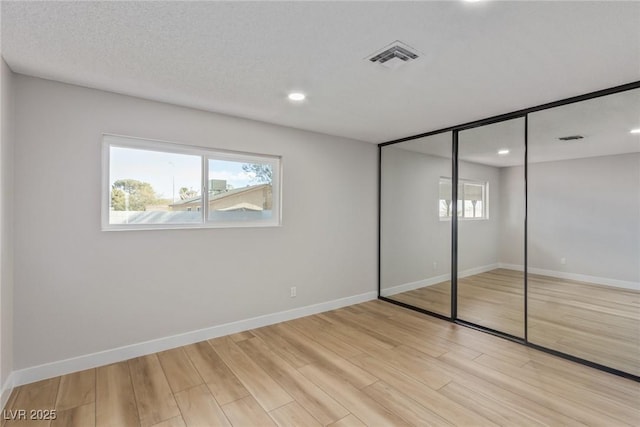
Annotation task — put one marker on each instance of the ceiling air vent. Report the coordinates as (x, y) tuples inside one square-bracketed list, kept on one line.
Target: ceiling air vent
[(571, 137), (394, 55)]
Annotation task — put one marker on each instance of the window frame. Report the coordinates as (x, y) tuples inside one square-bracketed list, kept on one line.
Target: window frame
[(122, 141), (461, 217)]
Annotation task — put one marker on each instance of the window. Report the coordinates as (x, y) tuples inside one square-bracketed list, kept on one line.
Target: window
[(151, 185), (472, 199)]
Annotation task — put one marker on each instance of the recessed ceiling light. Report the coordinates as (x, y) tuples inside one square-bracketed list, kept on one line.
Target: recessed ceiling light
[(297, 96), (635, 130), (503, 152)]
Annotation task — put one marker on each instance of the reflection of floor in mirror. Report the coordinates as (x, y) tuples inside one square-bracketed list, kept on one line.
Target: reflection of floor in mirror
[(492, 299), (594, 322), (435, 298)]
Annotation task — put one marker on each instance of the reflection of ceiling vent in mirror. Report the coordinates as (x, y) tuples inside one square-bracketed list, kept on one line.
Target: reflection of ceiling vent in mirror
[(394, 55), (571, 137)]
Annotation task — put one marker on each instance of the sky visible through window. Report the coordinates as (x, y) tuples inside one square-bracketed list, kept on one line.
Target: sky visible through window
[(168, 172), (231, 172)]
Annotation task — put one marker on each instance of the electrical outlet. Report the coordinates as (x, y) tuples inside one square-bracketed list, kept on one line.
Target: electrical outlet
[(293, 292), (435, 265), (563, 261)]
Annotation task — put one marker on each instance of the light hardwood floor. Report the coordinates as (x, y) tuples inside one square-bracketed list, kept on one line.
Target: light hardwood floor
[(494, 299), (370, 364), (590, 321), (594, 322)]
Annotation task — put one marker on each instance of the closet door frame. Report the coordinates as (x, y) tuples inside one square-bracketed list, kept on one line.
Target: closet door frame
[(524, 113)]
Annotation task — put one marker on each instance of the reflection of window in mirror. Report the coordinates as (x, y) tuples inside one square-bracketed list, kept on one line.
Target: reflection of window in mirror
[(473, 201)]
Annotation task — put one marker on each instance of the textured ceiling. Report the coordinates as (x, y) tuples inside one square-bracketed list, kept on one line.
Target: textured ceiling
[(242, 58)]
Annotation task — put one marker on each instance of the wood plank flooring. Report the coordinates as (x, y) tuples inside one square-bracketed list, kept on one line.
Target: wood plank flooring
[(590, 321), (372, 364), (594, 322)]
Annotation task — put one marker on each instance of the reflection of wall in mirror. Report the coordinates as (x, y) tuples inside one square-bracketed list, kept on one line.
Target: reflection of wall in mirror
[(586, 212), (413, 236), (478, 240)]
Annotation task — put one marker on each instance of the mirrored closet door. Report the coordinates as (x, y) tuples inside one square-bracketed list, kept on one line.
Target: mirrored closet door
[(526, 226), (491, 217), (415, 220), (584, 230)]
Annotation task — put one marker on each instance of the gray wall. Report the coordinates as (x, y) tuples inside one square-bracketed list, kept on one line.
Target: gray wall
[(413, 237), (6, 221), (80, 290), (586, 210), (478, 240), (512, 213), (583, 210)]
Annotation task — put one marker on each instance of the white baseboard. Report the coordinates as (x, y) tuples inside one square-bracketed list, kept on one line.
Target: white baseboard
[(88, 361), (585, 278), (516, 267), (434, 280), (575, 276), (7, 388), (477, 270), (414, 285)]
